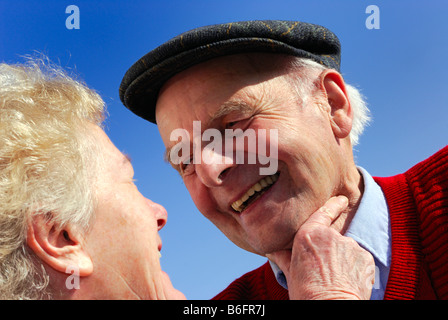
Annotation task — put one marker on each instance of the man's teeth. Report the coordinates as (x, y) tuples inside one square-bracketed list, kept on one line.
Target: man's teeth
[(259, 186)]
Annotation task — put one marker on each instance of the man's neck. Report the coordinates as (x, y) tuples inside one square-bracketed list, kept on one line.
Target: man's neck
[(353, 190)]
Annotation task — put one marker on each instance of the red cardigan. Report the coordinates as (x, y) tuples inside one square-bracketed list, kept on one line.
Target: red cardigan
[(418, 207)]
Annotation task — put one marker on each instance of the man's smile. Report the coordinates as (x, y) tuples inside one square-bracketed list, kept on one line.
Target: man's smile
[(254, 192)]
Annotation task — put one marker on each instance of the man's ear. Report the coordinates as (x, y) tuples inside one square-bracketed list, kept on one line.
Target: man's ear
[(341, 112), (63, 249)]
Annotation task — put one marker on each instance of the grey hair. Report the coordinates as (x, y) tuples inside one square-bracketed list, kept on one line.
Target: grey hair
[(307, 82), (47, 158)]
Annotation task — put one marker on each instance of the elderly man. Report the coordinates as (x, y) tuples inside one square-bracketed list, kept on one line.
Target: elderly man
[(73, 224), (284, 78)]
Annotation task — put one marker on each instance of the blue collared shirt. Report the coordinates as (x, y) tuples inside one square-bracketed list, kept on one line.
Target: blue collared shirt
[(370, 227)]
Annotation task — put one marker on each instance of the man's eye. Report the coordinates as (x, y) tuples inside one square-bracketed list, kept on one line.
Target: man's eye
[(186, 166), (239, 123), (231, 124), (183, 166)]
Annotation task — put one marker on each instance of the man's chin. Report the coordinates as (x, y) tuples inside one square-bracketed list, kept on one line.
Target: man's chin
[(264, 248)]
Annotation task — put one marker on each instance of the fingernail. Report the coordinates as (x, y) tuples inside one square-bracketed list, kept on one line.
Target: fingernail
[(343, 200)]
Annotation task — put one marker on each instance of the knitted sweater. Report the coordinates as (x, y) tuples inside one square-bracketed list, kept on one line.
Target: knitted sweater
[(418, 207)]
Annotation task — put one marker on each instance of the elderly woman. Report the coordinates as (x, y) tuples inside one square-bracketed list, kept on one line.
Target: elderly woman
[(72, 223)]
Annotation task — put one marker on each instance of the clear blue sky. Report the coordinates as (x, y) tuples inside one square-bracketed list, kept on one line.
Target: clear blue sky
[(400, 68)]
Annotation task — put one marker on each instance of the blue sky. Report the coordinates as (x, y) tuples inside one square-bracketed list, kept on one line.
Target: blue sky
[(400, 68)]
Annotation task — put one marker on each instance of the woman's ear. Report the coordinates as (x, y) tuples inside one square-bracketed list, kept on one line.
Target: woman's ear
[(341, 113), (63, 249)]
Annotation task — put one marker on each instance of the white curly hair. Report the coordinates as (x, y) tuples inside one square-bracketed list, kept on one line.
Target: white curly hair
[(47, 162)]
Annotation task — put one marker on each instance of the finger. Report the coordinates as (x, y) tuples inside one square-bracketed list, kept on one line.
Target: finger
[(329, 212)]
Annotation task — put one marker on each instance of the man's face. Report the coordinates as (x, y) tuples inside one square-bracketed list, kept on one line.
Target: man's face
[(236, 92), (124, 242)]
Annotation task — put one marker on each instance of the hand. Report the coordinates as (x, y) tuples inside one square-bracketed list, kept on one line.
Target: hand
[(323, 264)]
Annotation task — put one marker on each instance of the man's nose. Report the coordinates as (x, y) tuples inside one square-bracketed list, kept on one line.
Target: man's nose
[(214, 168), (160, 213)]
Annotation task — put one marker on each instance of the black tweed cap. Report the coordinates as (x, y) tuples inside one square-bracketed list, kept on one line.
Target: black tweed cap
[(141, 83)]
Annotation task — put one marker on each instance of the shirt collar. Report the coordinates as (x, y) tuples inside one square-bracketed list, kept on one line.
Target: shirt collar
[(370, 226)]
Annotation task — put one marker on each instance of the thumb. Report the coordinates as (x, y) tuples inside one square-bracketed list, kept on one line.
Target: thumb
[(282, 259)]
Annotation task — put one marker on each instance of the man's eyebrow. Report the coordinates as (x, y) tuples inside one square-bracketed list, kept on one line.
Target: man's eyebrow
[(166, 158), (229, 107), (166, 155)]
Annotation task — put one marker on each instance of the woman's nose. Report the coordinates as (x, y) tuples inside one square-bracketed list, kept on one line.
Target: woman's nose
[(159, 213)]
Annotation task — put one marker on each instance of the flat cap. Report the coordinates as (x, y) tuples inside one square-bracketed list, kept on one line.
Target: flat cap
[(142, 82)]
